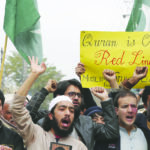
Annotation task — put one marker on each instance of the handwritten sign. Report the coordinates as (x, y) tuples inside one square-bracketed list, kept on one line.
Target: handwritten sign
[(118, 51)]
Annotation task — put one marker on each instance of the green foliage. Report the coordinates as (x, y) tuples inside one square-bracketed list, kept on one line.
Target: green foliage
[(16, 71)]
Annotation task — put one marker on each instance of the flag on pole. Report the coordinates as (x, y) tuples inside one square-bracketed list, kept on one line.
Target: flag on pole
[(140, 16), (21, 24)]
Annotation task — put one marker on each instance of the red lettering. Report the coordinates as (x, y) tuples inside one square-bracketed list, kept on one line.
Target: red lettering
[(103, 56), (135, 54)]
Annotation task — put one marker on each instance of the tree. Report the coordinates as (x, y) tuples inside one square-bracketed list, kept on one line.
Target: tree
[(16, 71)]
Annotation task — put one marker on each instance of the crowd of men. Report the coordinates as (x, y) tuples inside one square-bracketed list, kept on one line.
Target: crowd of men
[(73, 121)]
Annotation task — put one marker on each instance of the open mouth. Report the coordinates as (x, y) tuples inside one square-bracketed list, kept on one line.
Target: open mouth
[(129, 118), (75, 103), (66, 122)]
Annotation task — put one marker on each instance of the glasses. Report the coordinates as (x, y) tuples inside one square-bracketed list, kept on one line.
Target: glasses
[(73, 94)]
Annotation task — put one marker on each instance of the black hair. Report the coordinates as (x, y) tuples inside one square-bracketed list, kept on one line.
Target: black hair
[(2, 98), (46, 125), (145, 94), (63, 85), (94, 114), (123, 93)]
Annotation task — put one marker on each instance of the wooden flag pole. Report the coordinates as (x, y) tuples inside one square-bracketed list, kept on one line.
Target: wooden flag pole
[(3, 59)]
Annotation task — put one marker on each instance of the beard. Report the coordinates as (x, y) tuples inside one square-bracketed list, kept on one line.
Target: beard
[(58, 131), (77, 110)]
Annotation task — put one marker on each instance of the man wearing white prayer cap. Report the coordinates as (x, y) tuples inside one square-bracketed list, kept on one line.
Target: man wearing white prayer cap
[(58, 123), (61, 116)]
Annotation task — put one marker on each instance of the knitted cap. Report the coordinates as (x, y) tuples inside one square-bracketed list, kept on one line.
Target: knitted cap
[(92, 110)]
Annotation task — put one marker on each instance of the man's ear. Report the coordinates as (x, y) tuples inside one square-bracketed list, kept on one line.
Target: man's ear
[(116, 110), (50, 116)]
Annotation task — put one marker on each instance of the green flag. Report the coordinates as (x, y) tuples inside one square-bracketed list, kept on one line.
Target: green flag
[(140, 16), (21, 24)]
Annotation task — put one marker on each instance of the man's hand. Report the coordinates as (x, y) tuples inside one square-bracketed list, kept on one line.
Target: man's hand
[(100, 93), (35, 68), (140, 73), (110, 76), (79, 69), (51, 86)]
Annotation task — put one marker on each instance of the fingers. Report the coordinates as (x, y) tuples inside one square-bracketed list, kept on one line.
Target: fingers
[(100, 93), (97, 89), (141, 72), (33, 59), (51, 86), (108, 72), (109, 75)]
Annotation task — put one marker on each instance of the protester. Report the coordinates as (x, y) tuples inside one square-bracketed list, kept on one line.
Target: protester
[(6, 114), (7, 119), (96, 114), (58, 123), (9, 140), (131, 137), (84, 128)]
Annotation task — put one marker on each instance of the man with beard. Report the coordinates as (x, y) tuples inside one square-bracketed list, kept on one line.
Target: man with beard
[(58, 123), (84, 128)]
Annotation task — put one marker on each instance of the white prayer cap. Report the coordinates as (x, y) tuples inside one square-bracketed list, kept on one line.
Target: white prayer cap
[(58, 99)]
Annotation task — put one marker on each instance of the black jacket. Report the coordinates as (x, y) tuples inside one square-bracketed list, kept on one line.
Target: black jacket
[(87, 130), (10, 138)]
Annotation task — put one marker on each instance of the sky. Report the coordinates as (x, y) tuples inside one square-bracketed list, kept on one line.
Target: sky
[(61, 22)]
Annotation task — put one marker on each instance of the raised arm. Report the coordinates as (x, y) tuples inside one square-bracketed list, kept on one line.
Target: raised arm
[(139, 74), (109, 130), (110, 76), (20, 114)]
